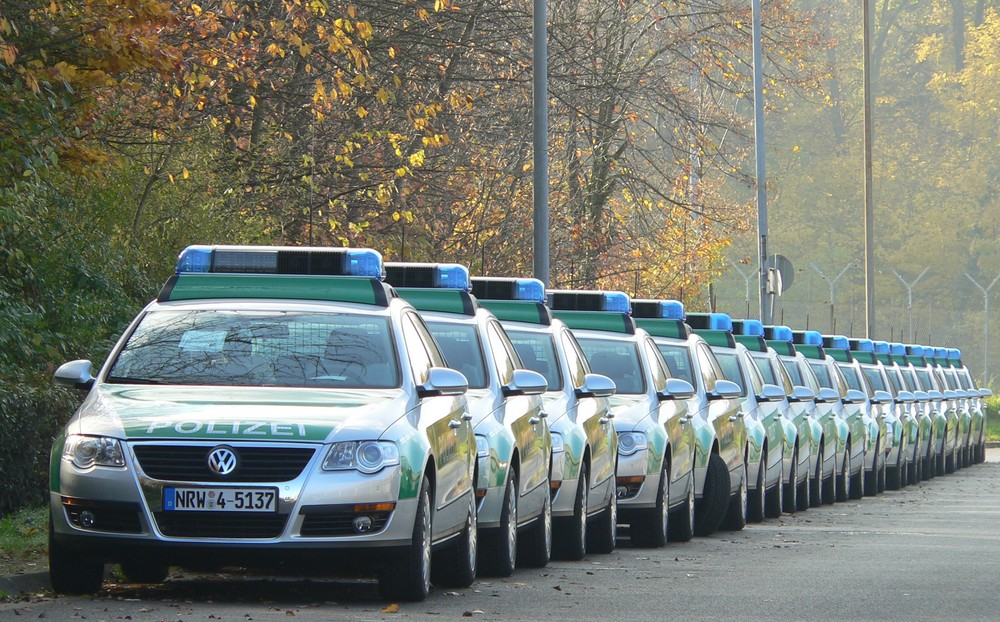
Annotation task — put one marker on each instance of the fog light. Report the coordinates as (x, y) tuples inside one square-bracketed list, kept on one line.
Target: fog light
[(621, 491), (362, 524), (87, 519)]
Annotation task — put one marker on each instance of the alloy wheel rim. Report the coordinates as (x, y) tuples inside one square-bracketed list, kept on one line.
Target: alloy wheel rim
[(425, 545), (473, 539), (583, 509), (512, 523), (665, 510)]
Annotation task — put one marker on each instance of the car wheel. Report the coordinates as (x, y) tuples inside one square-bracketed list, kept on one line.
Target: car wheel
[(816, 481), (409, 578), (913, 471), (881, 476), (736, 513), (499, 548), (756, 498), (603, 537), (680, 527), (708, 514), (857, 488), (535, 549), (144, 571), (844, 481), (775, 498), (456, 565), (871, 477), (571, 533), (68, 573), (830, 486), (893, 477), (802, 502), (650, 530), (791, 494), (949, 463), (939, 464)]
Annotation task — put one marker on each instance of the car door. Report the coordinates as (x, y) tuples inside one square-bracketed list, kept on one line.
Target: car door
[(592, 414), (674, 417), (723, 413)]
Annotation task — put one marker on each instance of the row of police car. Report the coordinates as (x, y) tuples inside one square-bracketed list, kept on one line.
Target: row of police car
[(317, 410)]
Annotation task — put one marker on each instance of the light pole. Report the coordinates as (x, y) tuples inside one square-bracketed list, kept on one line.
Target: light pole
[(909, 297), (832, 283), (869, 228), (540, 143), (986, 323), (758, 130)]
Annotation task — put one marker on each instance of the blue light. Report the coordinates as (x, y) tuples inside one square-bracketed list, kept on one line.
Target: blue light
[(672, 309), (452, 276), (195, 259), (914, 350), (720, 321), (780, 333), (531, 290), (881, 347), (955, 354), (364, 262), (752, 327), (897, 349), (812, 338), (865, 345), (617, 302), (506, 288), (838, 342), (940, 353)]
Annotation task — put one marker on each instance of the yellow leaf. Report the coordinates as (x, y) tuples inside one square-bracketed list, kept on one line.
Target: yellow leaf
[(185, 174), (253, 102), (171, 177), (795, 149), (401, 171), (393, 608)]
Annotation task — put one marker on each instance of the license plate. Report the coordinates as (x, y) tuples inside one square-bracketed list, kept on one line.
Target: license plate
[(220, 499)]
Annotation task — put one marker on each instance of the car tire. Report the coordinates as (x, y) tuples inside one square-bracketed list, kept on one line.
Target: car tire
[(409, 578), (456, 565), (775, 498), (498, 548), (535, 548), (857, 490), (709, 514), (939, 465), (913, 471), (738, 510), (650, 529), (680, 526), (757, 498), (881, 476), (816, 481), (843, 492), (144, 571), (603, 535), (871, 477), (894, 477), (790, 501), (830, 487), (949, 463), (571, 533), (68, 573)]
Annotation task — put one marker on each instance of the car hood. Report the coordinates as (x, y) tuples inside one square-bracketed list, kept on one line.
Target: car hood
[(238, 413), (629, 410)]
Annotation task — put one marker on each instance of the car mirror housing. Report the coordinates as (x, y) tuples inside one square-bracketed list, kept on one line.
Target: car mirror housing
[(802, 394), (526, 382), (725, 389), (75, 374), (596, 385), (771, 393), (443, 381), (854, 396), (677, 389)]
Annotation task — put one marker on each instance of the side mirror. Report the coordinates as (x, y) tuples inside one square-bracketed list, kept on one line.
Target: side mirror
[(881, 397), (725, 389), (443, 381), (526, 382), (771, 393), (950, 394), (801, 394), (826, 394), (596, 385), (936, 395), (963, 393), (905, 396), (854, 396), (75, 374), (985, 393), (677, 389), (921, 396)]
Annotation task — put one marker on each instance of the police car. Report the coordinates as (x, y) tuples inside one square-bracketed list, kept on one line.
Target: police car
[(273, 407)]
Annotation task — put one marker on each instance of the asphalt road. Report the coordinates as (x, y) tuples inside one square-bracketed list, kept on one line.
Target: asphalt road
[(929, 552)]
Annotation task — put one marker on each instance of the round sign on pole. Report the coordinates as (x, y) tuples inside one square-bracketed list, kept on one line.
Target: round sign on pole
[(784, 267)]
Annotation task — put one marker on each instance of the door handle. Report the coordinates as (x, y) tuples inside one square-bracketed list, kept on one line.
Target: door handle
[(733, 418), (603, 421), (454, 424), (467, 417), (685, 419), (534, 420)]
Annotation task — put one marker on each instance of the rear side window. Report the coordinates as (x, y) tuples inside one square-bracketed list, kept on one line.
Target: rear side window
[(538, 353), (678, 360), (731, 369), (618, 360)]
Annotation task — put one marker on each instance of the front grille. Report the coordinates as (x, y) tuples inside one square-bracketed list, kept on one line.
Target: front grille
[(189, 463), (220, 524), (328, 521), (111, 516)]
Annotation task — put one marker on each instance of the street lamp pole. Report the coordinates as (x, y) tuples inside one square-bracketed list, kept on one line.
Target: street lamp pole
[(986, 323), (909, 296), (869, 200), (540, 143), (758, 129)]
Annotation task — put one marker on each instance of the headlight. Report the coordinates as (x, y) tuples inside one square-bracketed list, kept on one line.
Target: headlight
[(364, 456), (557, 443), (631, 442), (88, 451), (482, 446)]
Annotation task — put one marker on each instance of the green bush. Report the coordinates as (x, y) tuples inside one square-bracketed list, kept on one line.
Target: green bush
[(992, 418)]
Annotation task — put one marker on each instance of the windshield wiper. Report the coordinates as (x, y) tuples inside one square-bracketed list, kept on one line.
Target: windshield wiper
[(130, 380)]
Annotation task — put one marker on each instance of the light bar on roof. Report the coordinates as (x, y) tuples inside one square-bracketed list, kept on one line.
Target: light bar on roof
[(752, 328), (881, 347), (589, 300), (954, 354), (940, 353), (304, 260), (914, 350), (863, 345), (710, 321), (500, 288), (807, 337), (658, 309), (428, 275), (778, 333), (897, 349), (839, 342)]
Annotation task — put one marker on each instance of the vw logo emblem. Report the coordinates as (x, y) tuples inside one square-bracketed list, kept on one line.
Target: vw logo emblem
[(222, 460)]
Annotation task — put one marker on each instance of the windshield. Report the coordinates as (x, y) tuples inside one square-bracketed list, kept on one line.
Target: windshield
[(538, 353), (258, 348), (618, 360), (731, 369), (462, 350), (678, 360)]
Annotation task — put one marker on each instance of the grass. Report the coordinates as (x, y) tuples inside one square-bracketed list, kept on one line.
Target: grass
[(24, 540), (993, 418)]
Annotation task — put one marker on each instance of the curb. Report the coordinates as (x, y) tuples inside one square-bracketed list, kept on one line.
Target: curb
[(992, 444), (20, 583)]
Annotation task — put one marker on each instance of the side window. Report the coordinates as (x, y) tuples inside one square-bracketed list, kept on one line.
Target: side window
[(753, 375), (578, 366), (786, 380), (417, 339), (656, 365), (710, 370), (503, 352)]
